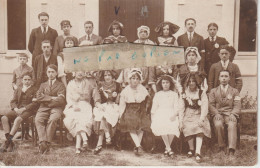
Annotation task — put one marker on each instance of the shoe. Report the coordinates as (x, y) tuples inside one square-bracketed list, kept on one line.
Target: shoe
[(77, 150), (27, 136), (10, 147), (166, 153), (117, 147), (4, 146), (136, 150), (85, 147), (190, 153), (108, 141), (69, 137), (153, 150), (140, 150), (97, 150), (171, 153), (43, 147), (198, 158)]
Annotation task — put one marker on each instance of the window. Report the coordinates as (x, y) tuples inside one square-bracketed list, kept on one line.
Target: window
[(16, 24), (247, 26)]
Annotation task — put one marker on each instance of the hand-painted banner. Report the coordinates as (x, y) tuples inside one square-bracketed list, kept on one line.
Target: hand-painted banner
[(120, 56)]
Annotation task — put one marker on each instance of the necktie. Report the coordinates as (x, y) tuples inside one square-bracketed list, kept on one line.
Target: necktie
[(88, 37), (50, 83), (190, 38), (44, 30)]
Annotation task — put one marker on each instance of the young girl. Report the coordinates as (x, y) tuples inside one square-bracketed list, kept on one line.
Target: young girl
[(78, 111), (116, 29), (164, 112), (65, 77), (107, 117), (132, 107), (143, 33), (166, 31), (193, 115)]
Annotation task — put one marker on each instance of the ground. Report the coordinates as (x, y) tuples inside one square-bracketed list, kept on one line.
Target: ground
[(27, 155)]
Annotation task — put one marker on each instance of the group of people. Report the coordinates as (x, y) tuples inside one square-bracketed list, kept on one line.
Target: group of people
[(162, 101)]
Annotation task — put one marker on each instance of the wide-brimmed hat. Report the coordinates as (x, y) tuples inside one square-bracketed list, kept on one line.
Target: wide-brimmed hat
[(65, 23), (172, 27), (192, 49)]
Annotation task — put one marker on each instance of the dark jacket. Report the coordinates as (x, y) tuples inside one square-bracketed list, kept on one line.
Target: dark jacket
[(29, 95)]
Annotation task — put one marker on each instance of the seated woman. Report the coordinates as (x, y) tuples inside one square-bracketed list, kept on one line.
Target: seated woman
[(107, 116), (143, 33), (65, 77), (166, 31), (193, 114), (164, 113), (78, 111), (133, 110), (116, 29)]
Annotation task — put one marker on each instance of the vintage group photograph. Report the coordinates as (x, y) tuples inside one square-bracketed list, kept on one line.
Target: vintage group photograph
[(188, 99)]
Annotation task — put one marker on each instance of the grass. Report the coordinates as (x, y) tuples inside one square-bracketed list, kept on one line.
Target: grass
[(26, 155)]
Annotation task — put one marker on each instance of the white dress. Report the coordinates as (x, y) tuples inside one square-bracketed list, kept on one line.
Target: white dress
[(165, 105), (79, 96)]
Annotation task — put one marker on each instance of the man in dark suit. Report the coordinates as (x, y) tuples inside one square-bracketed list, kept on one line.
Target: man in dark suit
[(192, 39), (225, 106), (212, 46), (42, 61), (44, 32), (51, 97), (22, 107), (235, 80), (89, 38)]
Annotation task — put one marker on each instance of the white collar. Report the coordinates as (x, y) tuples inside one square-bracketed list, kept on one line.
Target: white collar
[(25, 88), (214, 38), (53, 81), (43, 29), (224, 65), (193, 68), (190, 33), (89, 36), (224, 87)]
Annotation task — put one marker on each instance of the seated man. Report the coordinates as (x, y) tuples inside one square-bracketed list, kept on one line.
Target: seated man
[(51, 96), (22, 107), (225, 106)]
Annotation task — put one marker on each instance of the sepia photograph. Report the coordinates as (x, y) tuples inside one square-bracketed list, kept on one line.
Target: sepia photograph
[(128, 83)]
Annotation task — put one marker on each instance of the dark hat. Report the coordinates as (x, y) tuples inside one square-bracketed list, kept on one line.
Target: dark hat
[(115, 22), (65, 23), (173, 27)]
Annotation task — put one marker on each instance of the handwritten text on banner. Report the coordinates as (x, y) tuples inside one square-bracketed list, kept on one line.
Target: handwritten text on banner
[(120, 56)]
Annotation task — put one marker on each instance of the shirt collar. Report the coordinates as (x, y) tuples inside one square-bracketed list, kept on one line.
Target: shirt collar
[(89, 36), (25, 88), (192, 33), (225, 65), (43, 29), (224, 87), (214, 38), (53, 81)]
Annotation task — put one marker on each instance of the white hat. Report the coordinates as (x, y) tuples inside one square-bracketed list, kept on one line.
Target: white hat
[(136, 71), (193, 49)]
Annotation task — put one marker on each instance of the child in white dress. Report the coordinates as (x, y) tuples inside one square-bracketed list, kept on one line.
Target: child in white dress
[(164, 113)]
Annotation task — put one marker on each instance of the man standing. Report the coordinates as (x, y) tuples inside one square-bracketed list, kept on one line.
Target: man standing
[(225, 106), (192, 39), (51, 96), (89, 38), (42, 61), (44, 32)]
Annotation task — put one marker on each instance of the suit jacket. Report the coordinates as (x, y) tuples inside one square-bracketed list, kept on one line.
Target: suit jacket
[(36, 39), (46, 92), (197, 41), (212, 50), (29, 95), (225, 105), (235, 76), (39, 69), (94, 38)]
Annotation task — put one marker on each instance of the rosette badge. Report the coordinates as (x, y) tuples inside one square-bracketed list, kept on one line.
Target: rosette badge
[(229, 96), (216, 45), (114, 94)]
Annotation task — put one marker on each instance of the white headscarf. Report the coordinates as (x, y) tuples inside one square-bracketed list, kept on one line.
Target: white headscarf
[(136, 71), (193, 49), (146, 28)]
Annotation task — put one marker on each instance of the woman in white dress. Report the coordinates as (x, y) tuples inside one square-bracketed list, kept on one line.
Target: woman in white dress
[(164, 113), (78, 111)]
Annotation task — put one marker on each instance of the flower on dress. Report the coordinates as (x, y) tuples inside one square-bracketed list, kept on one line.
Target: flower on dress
[(114, 94), (216, 45)]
